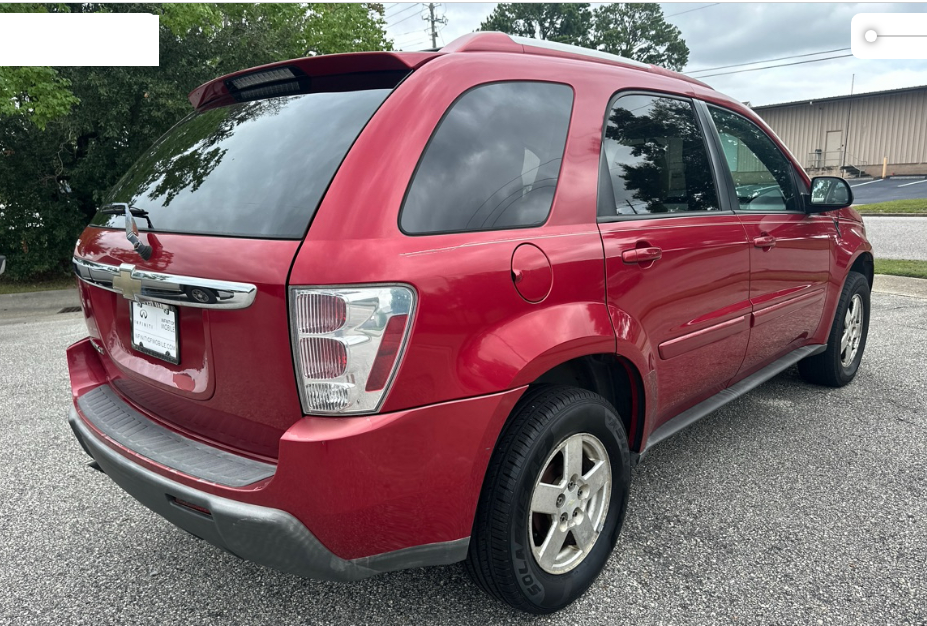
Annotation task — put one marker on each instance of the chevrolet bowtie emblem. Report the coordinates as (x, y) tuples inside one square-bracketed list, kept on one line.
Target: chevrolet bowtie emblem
[(126, 284)]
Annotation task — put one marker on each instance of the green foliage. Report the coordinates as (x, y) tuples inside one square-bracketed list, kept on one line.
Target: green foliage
[(633, 30), (181, 18), (911, 269), (67, 134), (916, 206), (36, 93), (639, 31), (346, 28), (561, 22)]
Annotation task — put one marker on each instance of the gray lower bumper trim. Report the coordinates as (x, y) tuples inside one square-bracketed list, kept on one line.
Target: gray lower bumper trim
[(260, 534), (126, 426)]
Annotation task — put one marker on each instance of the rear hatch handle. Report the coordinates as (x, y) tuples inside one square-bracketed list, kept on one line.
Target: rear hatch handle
[(139, 284)]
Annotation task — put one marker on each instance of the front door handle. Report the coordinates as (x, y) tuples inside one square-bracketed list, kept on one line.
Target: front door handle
[(641, 255), (766, 241)]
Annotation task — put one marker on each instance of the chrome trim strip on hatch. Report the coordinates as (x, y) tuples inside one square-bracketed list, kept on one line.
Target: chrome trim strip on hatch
[(135, 284)]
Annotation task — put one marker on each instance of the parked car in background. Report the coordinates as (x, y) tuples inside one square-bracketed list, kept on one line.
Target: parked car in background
[(365, 312)]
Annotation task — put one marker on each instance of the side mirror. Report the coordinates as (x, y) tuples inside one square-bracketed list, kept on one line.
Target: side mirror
[(828, 193), (2, 264)]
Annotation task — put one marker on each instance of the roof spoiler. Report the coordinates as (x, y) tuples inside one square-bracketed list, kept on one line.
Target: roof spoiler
[(331, 72)]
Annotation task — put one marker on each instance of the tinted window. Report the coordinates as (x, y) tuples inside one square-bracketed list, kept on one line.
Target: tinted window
[(656, 160), (493, 161), (762, 174), (254, 169)]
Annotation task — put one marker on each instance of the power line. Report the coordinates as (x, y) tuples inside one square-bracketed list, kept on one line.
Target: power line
[(413, 45), (401, 11), (409, 35), (415, 31), (404, 19), (794, 56), (769, 67), (399, 7), (695, 9)]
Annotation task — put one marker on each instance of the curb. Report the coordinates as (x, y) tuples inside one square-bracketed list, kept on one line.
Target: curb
[(865, 215), (33, 303), (900, 285)]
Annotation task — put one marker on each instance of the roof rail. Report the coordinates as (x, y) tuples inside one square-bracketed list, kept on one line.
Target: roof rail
[(492, 41), (578, 51)]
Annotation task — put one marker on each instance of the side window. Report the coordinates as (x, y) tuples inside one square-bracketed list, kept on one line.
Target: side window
[(493, 161), (654, 159), (762, 174)]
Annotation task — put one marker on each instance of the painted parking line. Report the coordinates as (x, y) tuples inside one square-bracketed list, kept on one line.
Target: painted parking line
[(916, 182), (868, 183)]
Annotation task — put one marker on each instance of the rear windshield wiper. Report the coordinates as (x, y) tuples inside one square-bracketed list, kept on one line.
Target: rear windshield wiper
[(119, 208)]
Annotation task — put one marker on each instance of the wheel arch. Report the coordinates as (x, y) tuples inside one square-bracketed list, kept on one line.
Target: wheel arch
[(611, 376), (864, 263)]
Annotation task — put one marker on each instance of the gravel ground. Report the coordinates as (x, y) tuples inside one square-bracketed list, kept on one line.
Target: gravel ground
[(898, 237), (793, 504)]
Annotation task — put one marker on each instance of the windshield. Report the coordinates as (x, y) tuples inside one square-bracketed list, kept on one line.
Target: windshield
[(255, 169)]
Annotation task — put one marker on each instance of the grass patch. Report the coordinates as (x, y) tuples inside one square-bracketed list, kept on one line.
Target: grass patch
[(912, 269), (38, 285), (915, 206)]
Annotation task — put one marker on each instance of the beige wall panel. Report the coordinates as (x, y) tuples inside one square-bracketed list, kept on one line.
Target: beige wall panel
[(892, 125)]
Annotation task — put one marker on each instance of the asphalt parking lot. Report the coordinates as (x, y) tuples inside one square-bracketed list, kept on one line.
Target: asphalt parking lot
[(794, 504), (883, 190)]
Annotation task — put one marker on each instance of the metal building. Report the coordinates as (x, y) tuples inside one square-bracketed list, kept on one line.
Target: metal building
[(850, 135)]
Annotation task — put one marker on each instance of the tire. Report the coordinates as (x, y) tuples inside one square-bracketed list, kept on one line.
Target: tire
[(502, 557), (832, 367)]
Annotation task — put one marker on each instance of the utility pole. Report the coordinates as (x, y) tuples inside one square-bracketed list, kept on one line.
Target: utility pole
[(433, 23), (846, 134)]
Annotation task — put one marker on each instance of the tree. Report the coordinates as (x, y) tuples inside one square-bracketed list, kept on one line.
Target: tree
[(639, 31), (561, 22), (37, 93), (67, 134), (634, 30)]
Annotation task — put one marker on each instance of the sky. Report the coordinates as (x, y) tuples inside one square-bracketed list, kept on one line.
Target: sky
[(721, 34)]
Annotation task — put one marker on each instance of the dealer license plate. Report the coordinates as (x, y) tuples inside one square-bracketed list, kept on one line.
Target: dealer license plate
[(154, 330)]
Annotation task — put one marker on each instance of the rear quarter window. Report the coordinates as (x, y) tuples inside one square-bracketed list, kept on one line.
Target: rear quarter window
[(493, 162)]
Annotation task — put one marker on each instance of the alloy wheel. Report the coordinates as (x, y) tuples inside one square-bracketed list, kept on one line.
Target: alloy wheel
[(569, 503), (852, 331)]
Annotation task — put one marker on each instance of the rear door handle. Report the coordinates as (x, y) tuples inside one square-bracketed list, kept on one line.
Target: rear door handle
[(641, 255), (766, 241)]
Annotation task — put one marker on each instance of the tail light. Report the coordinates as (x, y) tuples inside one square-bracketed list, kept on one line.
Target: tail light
[(347, 344)]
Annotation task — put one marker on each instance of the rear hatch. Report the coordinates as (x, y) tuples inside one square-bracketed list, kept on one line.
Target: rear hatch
[(226, 195)]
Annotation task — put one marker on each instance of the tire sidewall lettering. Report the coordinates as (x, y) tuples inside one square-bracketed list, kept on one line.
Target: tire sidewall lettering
[(545, 589)]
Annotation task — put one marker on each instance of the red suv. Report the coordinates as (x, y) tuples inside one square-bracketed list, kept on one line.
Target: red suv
[(365, 312)]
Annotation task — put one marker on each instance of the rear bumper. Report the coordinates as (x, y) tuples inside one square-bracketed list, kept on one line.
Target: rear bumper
[(346, 497), (261, 534)]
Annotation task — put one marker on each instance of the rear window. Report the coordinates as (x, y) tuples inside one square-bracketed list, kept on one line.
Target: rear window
[(493, 162), (255, 169)]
